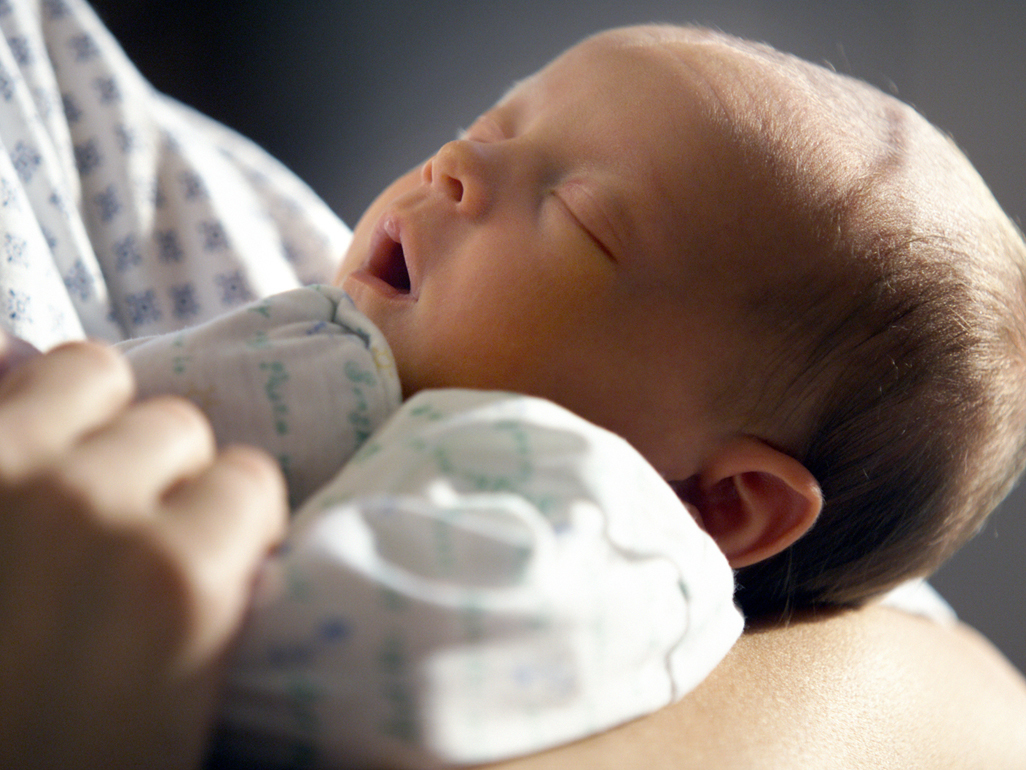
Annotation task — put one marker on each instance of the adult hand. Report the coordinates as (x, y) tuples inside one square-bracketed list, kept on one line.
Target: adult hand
[(13, 352), (127, 549)]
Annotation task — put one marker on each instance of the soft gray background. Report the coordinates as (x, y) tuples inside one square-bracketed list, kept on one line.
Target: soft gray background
[(349, 94)]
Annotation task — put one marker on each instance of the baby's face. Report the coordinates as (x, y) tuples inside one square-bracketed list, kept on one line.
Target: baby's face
[(546, 251)]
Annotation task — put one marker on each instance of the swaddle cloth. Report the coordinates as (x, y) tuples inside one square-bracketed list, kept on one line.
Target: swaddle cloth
[(489, 576), (302, 374)]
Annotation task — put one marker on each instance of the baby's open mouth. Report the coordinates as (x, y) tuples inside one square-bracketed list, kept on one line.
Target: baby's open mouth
[(388, 264), (392, 269)]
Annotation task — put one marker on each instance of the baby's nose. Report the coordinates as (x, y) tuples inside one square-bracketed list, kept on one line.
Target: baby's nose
[(457, 172)]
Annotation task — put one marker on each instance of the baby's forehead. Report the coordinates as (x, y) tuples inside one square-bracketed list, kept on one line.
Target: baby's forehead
[(768, 119), (821, 124), (732, 88), (746, 79), (642, 46), (669, 70)]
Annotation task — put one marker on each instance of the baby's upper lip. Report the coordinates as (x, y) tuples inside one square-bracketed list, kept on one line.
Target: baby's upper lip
[(388, 259)]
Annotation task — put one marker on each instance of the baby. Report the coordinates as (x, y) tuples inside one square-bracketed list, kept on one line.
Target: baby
[(793, 296), (759, 272)]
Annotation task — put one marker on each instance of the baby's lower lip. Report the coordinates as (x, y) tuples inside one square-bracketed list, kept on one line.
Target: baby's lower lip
[(374, 283)]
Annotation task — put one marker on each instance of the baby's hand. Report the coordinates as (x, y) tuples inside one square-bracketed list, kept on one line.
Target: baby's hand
[(127, 549)]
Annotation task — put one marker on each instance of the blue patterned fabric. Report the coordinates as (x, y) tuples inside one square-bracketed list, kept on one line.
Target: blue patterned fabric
[(122, 212)]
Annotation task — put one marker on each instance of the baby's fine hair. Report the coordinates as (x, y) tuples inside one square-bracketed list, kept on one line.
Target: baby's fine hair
[(893, 347)]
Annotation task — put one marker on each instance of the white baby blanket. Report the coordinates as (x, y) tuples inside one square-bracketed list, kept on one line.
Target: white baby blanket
[(301, 374), (490, 576)]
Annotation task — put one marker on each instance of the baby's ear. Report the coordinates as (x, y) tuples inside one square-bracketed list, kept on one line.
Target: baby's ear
[(753, 500)]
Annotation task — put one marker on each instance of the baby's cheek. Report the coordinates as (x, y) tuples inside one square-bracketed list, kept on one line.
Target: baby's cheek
[(460, 353)]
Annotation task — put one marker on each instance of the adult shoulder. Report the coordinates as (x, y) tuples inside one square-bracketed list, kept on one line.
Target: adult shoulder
[(870, 688)]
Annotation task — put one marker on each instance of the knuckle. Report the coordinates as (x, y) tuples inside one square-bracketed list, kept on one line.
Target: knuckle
[(174, 421), (250, 461), (178, 413), (71, 378), (252, 471), (259, 487), (102, 361), (101, 355)]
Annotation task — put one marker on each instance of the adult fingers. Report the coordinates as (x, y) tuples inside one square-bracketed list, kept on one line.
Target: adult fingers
[(127, 466), (222, 524), (115, 630), (14, 351), (51, 401)]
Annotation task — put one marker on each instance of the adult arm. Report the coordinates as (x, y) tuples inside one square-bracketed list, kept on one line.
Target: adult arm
[(127, 547), (868, 688)]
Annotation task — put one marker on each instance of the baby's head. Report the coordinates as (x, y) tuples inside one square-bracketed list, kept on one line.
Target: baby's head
[(762, 274)]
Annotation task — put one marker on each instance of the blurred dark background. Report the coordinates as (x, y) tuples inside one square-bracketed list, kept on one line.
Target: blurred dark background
[(349, 94)]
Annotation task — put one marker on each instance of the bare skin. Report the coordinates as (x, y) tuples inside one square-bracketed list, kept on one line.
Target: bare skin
[(872, 688), (542, 252), (127, 548)]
